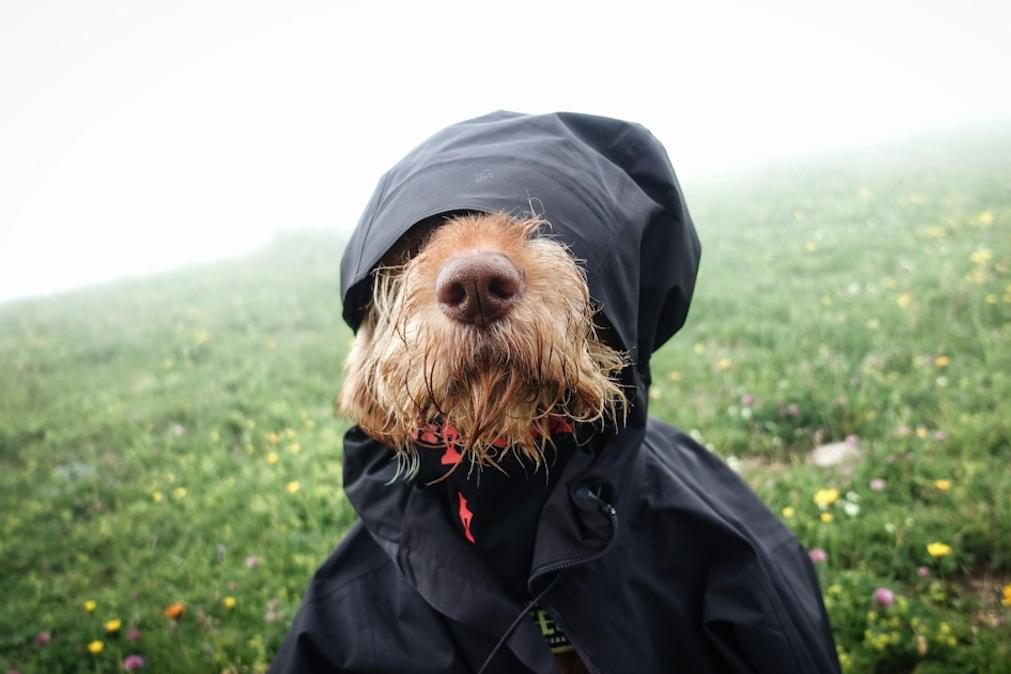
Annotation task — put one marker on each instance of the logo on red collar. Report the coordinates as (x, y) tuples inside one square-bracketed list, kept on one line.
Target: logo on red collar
[(448, 436)]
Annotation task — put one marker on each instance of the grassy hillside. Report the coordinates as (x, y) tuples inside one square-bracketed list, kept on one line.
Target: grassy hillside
[(171, 441)]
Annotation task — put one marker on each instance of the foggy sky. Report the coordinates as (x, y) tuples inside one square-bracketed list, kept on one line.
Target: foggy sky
[(136, 136)]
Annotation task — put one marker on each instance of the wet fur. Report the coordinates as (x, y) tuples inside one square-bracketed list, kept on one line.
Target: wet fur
[(411, 364)]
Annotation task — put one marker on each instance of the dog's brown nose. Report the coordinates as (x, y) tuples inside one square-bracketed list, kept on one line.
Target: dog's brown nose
[(478, 288)]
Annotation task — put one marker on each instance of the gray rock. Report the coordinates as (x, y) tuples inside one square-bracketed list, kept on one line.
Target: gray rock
[(835, 454)]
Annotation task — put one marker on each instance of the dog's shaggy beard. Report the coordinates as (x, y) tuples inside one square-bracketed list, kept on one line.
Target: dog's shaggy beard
[(499, 386)]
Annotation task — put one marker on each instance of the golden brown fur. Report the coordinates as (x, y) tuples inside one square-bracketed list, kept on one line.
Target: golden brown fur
[(500, 384)]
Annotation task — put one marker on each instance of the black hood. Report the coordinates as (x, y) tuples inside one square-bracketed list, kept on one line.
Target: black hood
[(609, 192), (606, 186)]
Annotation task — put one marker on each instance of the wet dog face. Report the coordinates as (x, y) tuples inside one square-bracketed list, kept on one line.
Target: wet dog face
[(481, 322)]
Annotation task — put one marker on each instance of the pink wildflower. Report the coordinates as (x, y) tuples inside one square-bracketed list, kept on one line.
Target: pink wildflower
[(42, 639), (252, 562), (923, 572), (133, 635), (132, 663), (884, 597), (818, 556), (877, 484)]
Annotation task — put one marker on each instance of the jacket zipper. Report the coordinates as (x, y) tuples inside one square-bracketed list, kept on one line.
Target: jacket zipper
[(612, 514)]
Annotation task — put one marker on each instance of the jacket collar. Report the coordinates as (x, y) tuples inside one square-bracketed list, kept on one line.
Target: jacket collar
[(407, 523)]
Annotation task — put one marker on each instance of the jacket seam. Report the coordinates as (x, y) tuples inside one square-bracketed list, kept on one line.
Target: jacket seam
[(347, 584), (372, 627)]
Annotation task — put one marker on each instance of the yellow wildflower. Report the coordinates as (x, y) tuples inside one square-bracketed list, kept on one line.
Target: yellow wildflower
[(981, 256), (272, 458), (156, 496), (826, 517), (904, 300), (292, 486), (272, 437), (921, 432), (1006, 595), (985, 217), (725, 363), (811, 246), (942, 361), (229, 602), (294, 448), (112, 626), (95, 647), (90, 606), (789, 512), (823, 498), (675, 376), (938, 549), (180, 492), (942, 485), (699, 349)]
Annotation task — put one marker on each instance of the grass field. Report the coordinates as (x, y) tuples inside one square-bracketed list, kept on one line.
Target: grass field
[(168, 446)]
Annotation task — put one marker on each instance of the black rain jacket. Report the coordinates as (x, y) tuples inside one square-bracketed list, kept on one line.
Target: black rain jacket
[(650, 553)]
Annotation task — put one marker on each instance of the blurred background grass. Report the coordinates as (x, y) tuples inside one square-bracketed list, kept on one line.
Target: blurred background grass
[(172, 439)]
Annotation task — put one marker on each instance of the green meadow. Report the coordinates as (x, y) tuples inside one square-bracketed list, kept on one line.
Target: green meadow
[(170, 460)]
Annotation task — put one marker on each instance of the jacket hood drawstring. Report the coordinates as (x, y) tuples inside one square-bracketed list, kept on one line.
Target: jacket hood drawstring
[(516, 621), (586, 494)]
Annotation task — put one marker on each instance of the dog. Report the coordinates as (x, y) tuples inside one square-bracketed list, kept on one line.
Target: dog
[(519, 510), (500, 322)]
